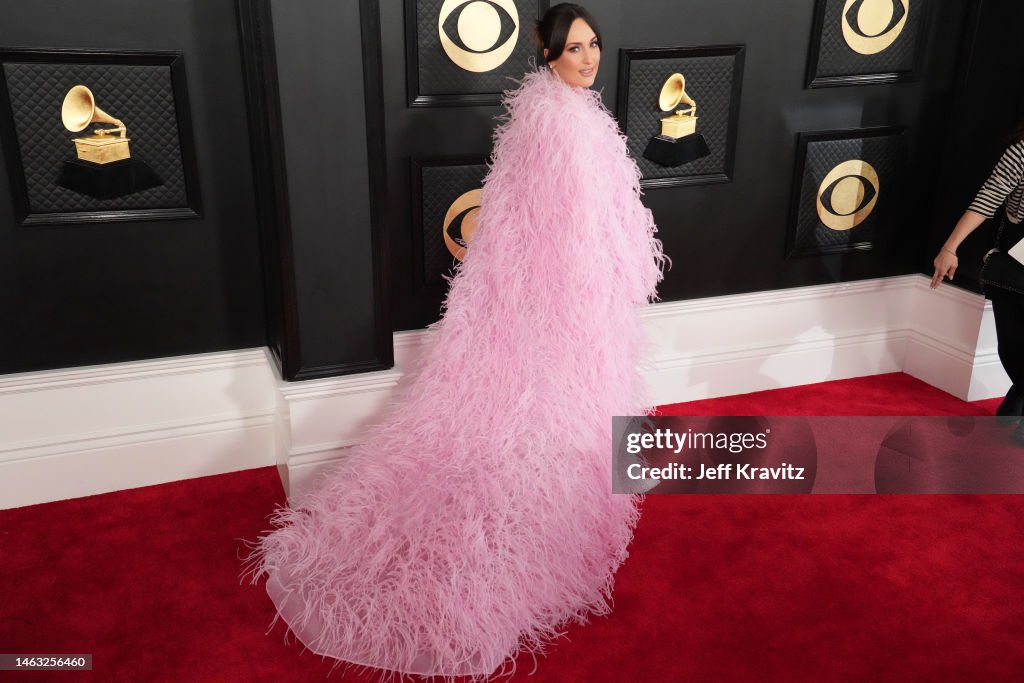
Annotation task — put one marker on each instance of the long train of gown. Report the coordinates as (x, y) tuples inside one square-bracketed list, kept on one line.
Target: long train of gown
[(477, 517)]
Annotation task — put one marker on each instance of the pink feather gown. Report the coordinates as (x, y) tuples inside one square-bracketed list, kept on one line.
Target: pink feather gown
[(477, 517)]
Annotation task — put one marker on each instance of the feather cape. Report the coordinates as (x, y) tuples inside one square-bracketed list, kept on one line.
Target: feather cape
[(476, 519)]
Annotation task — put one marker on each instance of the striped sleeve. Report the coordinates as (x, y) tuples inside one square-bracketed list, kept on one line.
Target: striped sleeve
[(1006, 177)]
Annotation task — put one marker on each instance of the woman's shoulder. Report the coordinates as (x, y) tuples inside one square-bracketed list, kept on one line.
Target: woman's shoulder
[(542, 88), (1016, 148), (542, 101), (1012, 157)]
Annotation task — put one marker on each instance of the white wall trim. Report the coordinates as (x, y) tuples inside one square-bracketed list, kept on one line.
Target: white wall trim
[(951, 344), (97, 374), (81, 431), (731, 344), (140, 434)]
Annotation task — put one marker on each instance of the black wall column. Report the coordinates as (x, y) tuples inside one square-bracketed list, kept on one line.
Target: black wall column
[(314, 77)]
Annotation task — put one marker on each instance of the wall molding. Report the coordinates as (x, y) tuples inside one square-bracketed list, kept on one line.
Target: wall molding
[(114, 372), (952, 344), (83, 431)]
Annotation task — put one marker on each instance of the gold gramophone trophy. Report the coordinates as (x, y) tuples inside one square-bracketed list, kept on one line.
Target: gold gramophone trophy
[(105, 144), (684, 121), (679, 142), (104, 168)]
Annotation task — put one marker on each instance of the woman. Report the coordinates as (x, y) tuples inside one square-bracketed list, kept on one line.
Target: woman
[(477, 517), (1004, 186)]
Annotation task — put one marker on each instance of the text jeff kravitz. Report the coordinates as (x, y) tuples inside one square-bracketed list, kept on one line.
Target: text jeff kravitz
[(744, 471)]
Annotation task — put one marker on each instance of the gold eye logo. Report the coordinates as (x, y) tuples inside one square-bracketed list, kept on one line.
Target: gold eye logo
[(460, 223), (848, 194), (478, 35), (870, 26)]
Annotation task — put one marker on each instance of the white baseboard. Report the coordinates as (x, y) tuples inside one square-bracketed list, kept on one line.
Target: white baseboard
[(78, 432), (728, 345), (751, 342), (952, 343)]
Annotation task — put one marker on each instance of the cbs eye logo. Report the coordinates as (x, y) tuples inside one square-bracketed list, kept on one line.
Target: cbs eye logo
[(847, 195), (460, 223), (478, 35), (870, 26)]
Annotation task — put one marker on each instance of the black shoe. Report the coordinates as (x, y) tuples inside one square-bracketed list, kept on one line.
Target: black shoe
[(1010, 410)]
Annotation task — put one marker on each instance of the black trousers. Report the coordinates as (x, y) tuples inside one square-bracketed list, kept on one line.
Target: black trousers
[(1008, 309)]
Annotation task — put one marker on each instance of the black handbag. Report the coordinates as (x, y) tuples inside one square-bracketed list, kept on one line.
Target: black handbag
[(999, 270)]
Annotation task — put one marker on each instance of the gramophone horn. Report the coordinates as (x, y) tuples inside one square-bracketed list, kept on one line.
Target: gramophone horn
[(674, 92), (79, 110)]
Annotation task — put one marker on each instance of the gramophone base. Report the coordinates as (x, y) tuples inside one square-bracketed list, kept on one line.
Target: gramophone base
[(666, 151), (108, 181)]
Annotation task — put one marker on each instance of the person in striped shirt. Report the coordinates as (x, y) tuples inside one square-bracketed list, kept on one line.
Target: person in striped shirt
[(1005, 186)]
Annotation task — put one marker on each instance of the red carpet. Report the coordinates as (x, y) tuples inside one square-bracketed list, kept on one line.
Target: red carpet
[(894, 394), (767, 588)]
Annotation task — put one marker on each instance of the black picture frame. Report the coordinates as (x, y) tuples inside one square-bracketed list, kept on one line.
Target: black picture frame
[(863, 236), (873, 69), (723, 173), (175, 62), (416, 98), (424, 277)]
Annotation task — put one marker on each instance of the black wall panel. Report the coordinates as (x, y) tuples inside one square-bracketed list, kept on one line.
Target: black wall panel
[(730, 237), (328, 75), (332, 146), (82, 294)]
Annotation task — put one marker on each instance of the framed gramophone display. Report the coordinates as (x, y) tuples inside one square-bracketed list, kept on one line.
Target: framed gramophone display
[(464, 52), (679, 109), (857, 42), (91, 136), (678, 143)]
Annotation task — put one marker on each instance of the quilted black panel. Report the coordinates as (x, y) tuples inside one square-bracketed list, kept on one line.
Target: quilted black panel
[(884, 153), (709, 81), (139, 95), (439, 75), (837, 58), (442, 185)]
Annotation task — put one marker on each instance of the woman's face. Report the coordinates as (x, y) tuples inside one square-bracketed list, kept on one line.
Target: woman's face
[(577, 65)]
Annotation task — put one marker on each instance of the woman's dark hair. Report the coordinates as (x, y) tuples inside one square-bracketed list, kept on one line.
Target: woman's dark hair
[(553, 28)]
